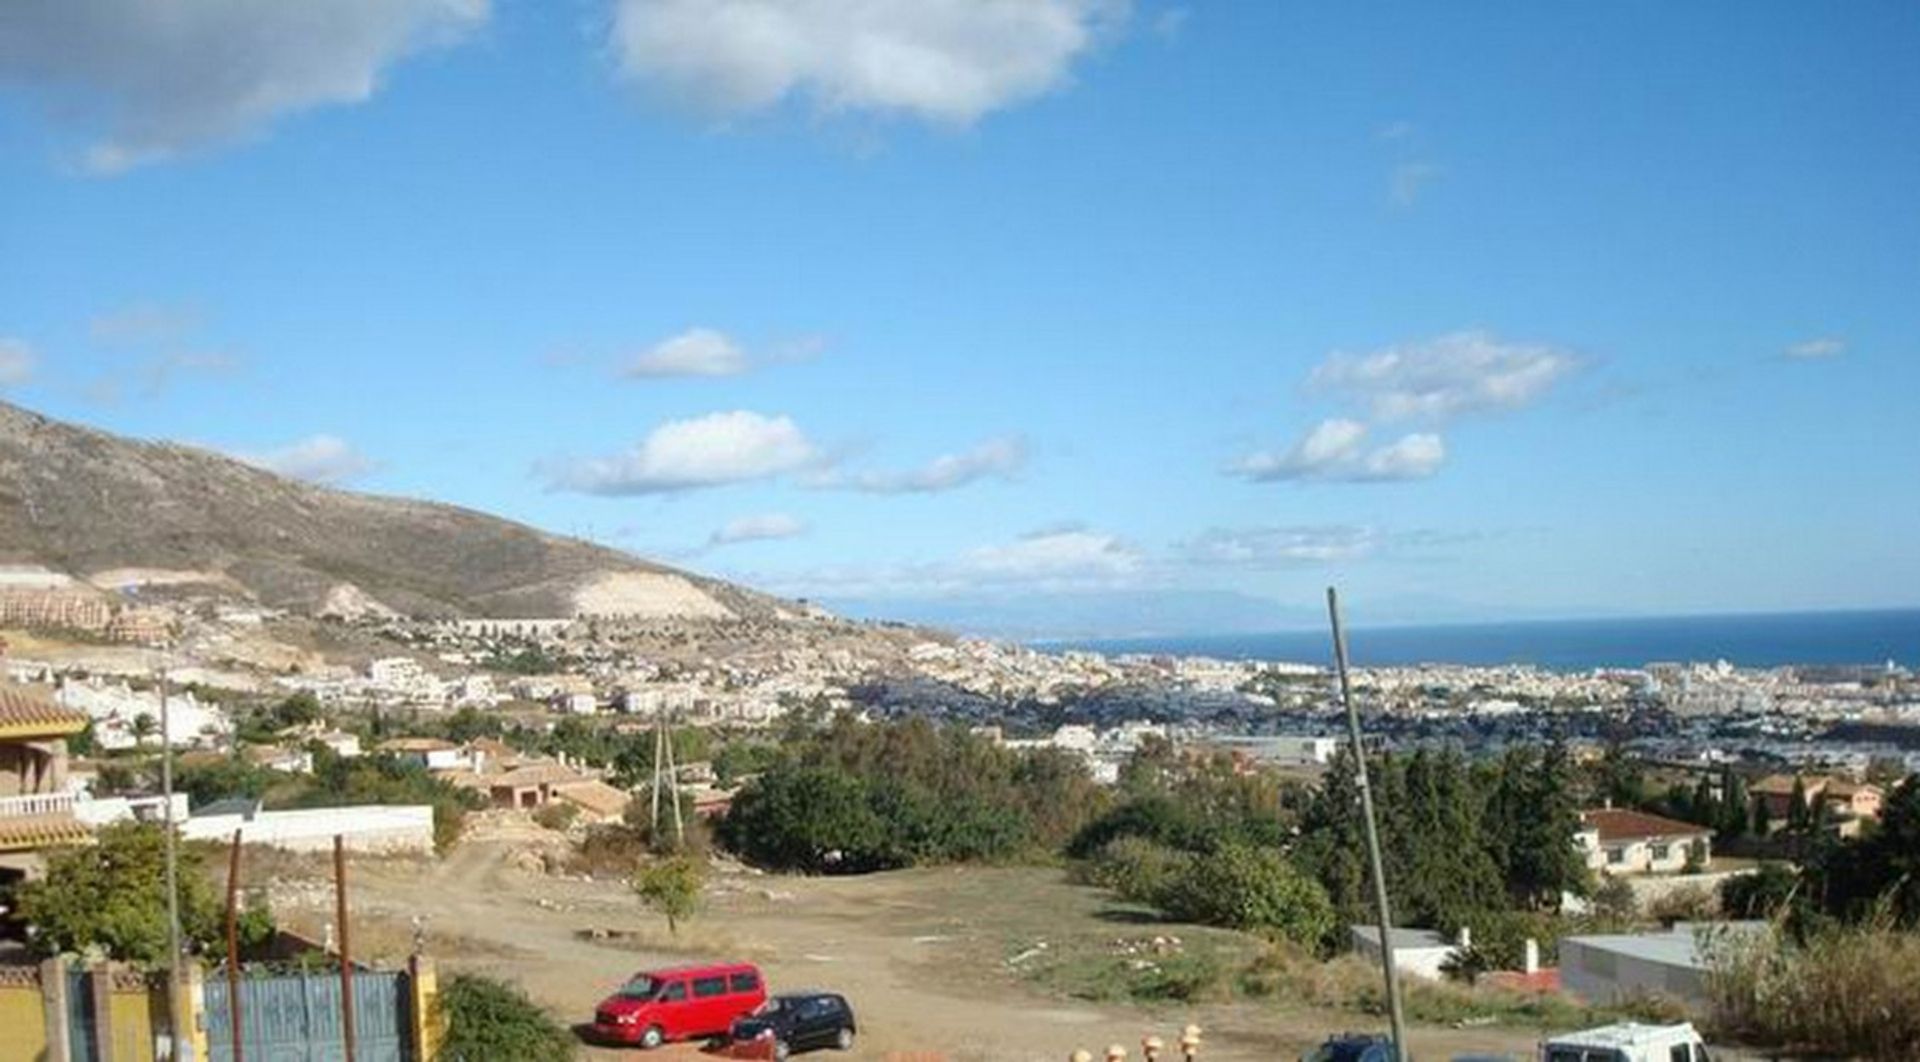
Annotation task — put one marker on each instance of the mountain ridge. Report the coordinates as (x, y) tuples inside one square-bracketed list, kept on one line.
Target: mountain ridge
[(112, 512)]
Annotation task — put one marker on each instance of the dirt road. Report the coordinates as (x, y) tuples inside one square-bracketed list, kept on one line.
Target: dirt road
[(923, 954)]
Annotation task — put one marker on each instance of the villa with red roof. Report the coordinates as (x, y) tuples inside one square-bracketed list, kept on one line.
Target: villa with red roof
[(1619, 841)]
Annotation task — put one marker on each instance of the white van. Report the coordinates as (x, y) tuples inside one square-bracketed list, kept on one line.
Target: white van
[(1628, 1042)]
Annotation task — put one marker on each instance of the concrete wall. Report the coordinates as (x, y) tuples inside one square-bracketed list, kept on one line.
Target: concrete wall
[(382, 828), (1600, 974)]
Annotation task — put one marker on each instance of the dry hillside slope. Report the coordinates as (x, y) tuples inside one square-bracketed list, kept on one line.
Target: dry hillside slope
[(112, 511)]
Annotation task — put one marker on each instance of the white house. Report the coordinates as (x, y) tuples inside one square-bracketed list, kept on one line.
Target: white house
[(431, 753), (1618, 841)]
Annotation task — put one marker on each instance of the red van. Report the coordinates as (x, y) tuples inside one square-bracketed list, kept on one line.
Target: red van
[(684, 1003)]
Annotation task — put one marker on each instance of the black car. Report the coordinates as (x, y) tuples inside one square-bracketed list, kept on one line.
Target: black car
[(1353, 1047), (797, 1021)]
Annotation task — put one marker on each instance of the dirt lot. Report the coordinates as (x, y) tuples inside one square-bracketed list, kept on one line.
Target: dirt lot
[(937, 961)]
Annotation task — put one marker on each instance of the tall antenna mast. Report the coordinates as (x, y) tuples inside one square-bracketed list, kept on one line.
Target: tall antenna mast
[(1381, 908)]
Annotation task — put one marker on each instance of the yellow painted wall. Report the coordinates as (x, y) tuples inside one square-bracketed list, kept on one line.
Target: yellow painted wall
[(23, 1032), (132, 1010)]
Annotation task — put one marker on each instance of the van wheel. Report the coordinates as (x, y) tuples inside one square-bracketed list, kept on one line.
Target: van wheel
[(653, 1037), (844, 1041)]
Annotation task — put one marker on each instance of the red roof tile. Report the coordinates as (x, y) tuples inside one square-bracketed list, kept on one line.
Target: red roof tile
[(1619, 824)]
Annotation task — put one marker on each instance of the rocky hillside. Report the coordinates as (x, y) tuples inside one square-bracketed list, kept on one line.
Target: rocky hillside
[(115, 512)]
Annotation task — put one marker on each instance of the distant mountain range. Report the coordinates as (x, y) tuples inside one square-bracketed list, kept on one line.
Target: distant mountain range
[(124, 515)]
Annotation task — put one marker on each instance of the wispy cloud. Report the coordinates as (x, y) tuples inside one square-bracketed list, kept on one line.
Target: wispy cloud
[(690, 454), (1336, 450), (1817, 349), (761, 527), (154, 78), (161, 344), (1169, 24), (1052, 560), (945, 61), (1276, 547), (326, 459), (1454, 375), (695, 352), (145, 323), (1000, 458), (16, 362)]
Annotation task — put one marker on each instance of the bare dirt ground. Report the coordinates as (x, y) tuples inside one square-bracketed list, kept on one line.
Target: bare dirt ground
[(924, 955)]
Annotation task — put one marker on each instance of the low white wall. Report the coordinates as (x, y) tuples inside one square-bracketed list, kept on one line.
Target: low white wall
[(371, 828)]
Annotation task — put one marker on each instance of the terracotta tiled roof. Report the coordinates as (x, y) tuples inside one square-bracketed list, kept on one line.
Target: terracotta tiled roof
[(597, 797), (417, 745), (28, 832), (536, 774), (25, 714), (1780, 785), (1619, 824)]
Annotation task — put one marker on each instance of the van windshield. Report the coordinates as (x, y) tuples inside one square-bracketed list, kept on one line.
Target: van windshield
[(641, 987)]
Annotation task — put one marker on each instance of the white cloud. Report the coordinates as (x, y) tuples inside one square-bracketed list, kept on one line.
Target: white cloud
[(1454, 375), (154, 78), (947, 61), (1055, 560), (1817, 349), (1409, 180), (1336, 451), (695, 352), (758, 528), (1000, 458), (1415, 456), (316, 459), (1057, 554), (707, 451), (1261, 547), (16, 362)]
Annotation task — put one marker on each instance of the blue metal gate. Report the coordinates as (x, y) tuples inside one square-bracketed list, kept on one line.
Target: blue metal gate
[(83, 1024), (296, 1018)]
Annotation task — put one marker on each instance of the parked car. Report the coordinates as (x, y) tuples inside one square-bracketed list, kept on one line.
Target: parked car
[(1628, 1042), (798, 1021), (683, 1003), (1353, 1047)]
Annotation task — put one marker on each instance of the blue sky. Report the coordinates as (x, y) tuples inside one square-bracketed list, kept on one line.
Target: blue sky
[(1489, 310)]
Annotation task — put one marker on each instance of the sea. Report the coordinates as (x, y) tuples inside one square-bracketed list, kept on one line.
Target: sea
[(1757, 640)]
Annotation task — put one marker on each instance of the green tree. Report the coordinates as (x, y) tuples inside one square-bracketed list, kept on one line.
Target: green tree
[(490, 1021), (143, 727), (1799, 816), (672, 887), (1242, 887), (111, 895)]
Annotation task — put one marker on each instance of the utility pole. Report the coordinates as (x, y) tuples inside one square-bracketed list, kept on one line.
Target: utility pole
[(666, 775), (182, 1048), (1381, 907)]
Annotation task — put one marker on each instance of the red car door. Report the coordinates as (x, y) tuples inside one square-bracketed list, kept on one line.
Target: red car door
[(710, 1004)]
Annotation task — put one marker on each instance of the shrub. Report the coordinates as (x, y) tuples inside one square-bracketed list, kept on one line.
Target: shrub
[(491, 1021), (1686, 904), (1765, 893), (556, 815), (111, 896), (1135, 869), (1242, 887), (1846, 991)]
